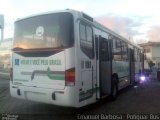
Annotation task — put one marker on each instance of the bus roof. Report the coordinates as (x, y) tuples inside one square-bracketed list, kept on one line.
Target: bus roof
[(46, 13)]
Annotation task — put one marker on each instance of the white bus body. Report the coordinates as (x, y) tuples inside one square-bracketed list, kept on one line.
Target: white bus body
[(66, 58)]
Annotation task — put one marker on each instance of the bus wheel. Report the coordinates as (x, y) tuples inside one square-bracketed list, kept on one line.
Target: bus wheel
[(114, 89)]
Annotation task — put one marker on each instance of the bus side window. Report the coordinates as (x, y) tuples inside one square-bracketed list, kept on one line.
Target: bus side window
[(116, 49), (104, 54), (135, 55), (86, 40), (124, 51)]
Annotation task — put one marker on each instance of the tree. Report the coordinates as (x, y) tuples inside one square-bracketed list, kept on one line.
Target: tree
[(151, 64)]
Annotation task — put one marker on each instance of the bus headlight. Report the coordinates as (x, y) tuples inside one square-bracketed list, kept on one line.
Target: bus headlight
[(142, 78)]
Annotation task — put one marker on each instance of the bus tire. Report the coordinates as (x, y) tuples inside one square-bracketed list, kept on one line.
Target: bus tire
[(114, 88)]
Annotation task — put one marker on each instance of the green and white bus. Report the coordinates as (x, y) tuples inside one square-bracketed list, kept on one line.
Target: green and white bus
[(66, 58)]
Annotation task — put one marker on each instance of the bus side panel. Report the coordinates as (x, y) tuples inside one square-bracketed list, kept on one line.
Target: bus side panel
[(122, 69), (71, 62), (86, 71)]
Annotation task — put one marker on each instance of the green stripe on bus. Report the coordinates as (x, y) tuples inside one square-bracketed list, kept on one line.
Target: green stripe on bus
[(54, 76), (21, 80)]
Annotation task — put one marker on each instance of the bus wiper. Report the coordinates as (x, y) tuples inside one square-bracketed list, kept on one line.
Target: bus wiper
[(17, 48)]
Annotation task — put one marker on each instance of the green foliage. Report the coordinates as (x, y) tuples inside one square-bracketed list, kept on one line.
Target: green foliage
[(151, 64)]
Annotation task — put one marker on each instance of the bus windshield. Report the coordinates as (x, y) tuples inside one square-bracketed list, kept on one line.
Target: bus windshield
[(44, 31)]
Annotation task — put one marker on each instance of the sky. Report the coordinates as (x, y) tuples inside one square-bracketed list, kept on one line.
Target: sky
[(136, 20)]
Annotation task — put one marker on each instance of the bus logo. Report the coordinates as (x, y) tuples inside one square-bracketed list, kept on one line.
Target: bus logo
[(39, 31), (16, 61)]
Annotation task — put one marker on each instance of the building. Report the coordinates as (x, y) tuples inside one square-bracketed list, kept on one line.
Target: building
[(5, 55), (152, 53)]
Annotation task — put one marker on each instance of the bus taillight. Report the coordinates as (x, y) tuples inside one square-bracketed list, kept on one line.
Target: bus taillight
[(70, 77), (11, 74)]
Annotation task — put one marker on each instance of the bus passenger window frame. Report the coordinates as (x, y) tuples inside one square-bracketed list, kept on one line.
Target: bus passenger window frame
[(104, 49), (124, 51), (117, 48), (86, 45)]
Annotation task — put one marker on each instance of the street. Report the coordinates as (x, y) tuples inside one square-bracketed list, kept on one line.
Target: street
[(145, 99)]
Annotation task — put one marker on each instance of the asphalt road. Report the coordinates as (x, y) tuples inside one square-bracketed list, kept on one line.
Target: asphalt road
[(145, 100)]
